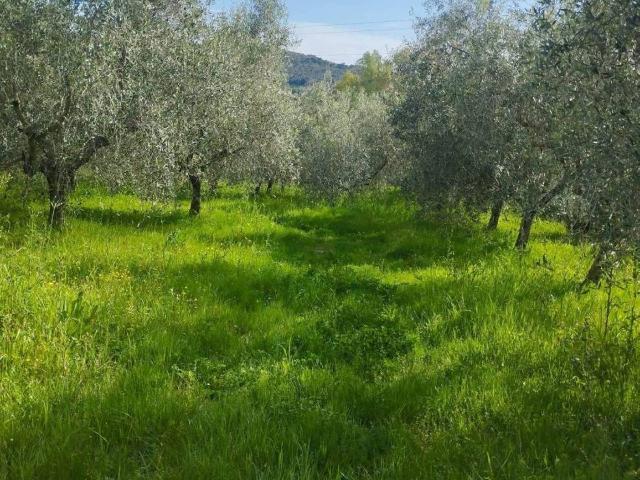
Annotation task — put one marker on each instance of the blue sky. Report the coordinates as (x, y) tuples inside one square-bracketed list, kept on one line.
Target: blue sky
[(341, 31)]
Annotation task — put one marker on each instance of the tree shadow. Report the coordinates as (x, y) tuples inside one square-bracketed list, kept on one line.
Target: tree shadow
[(347, 238), (243, 285), (139, 219), (348, 310), (550, 236)]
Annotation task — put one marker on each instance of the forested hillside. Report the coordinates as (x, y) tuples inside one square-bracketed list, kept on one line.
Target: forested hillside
[(305, 70)]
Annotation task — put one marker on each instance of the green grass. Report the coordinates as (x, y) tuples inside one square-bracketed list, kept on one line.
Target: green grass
[(280, 338)]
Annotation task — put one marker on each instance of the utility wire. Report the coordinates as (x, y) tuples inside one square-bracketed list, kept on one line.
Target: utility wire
[(332, 54), (328, 32), (355, 23)]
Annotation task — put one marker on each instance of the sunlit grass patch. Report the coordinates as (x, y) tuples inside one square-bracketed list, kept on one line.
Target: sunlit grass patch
[(276, 337)]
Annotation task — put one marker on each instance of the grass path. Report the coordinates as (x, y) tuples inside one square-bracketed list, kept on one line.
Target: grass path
[(285, 339)]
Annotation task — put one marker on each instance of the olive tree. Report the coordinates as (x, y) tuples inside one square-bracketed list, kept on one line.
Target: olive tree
[(78, 76), (458, 86), (269, 150), (346, 140), (215, 103), (174, 87), (552, 148), (57, 84), (483, 123), (589, 57)]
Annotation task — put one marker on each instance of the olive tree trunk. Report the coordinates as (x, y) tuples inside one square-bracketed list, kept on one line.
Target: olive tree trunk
[(598, 268), (525, 230), (542, 202), (57, 205), (60, 183), (196, 195), (496, 212)]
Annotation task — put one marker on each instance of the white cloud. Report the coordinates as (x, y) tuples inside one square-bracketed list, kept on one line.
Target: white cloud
[(344, 44)]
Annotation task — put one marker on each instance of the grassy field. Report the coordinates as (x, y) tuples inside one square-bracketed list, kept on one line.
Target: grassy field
[(280, 338)]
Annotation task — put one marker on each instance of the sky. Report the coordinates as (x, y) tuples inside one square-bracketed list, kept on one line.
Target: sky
[(341, 31)]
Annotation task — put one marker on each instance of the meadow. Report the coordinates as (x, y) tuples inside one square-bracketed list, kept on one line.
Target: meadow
[(280, 337)]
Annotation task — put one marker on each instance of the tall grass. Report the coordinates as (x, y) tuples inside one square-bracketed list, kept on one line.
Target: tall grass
[(280, 338)]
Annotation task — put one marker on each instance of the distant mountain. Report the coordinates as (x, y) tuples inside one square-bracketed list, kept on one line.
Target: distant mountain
[(305, 70)]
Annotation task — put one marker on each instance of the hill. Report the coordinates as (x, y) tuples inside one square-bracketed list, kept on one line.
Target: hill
[(304, 70)]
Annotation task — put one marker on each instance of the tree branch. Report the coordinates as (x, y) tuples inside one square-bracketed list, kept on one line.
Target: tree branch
[(90, 149), (17, 108), (548, 196), (461, 50), (376, 172), (64, 106), (223, 154)]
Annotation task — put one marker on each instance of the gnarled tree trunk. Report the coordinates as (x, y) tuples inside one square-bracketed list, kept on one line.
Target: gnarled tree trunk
[(525, 230), (196, 194), (496, 212), (598, 268), (542, 202), (59, 183), (270, 185)]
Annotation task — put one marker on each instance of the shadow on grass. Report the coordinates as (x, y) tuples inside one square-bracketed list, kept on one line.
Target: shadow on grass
[(243, 285), (553, 236), (352, 315), (140, 219), (361, 239)]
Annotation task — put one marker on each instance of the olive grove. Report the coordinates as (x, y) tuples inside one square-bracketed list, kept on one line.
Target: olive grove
[(459, 104), (173, 92), (215, 104), (487, 108), (531, 110), (590, 59)]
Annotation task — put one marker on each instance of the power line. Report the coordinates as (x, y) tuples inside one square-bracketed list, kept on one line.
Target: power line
[(355, 23), (328, 32), (332, 54)]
